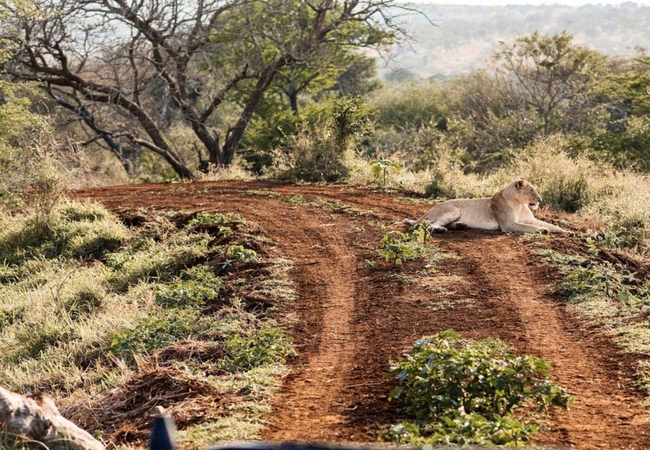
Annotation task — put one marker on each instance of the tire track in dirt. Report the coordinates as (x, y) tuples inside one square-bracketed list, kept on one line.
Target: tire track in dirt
[(353, 318), (324, 272), (324, 266), (505, 276)]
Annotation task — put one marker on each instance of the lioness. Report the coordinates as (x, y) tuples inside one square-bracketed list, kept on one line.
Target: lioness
[(508, 210)]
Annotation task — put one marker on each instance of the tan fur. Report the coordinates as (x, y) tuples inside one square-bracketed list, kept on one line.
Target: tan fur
[(510, 210)]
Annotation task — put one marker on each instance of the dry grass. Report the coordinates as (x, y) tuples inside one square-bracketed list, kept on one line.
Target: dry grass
[(112, 331)]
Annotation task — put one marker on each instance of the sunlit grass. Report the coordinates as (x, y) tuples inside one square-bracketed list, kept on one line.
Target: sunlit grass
[(78, 320)]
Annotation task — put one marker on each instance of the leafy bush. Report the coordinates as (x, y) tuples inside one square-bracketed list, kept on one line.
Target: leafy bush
[(317, 151), (196, 286), (350, 119), (154, 332), (240, 253), (269, 346), (460, 428), (568, 194), (467, 391), (614, 236), (398, 247), (312, 156)]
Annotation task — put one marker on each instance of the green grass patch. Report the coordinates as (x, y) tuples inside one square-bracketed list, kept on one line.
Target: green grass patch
[(75, 231)]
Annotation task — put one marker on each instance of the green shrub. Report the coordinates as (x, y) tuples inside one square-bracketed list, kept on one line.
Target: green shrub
[(265, 347), (568, 194), (350, 119), (614, 236), (240, 253), (396, 247), (462, 429), (196, 286), (154, 332), (470, 390), (312, 156), (317, 152)]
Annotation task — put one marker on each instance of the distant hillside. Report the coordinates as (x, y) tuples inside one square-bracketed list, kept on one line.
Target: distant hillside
[(465, 37)]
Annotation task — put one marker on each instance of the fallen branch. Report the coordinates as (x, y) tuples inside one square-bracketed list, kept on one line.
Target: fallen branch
[(37, 417)]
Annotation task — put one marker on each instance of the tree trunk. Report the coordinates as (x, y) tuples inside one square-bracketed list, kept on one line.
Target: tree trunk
[(293, 101), (181, 169), (237, 132)]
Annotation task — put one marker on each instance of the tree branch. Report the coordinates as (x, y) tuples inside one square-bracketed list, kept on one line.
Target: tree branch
[(38, 418)]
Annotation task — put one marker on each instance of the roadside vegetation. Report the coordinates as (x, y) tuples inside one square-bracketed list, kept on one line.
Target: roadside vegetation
[(398, 247), (97, 313), (606, 288)]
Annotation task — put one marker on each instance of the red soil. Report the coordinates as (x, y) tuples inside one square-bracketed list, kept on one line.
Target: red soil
[(355, 316)]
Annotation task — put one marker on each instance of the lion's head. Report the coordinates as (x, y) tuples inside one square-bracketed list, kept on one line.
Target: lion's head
[(526, 193)]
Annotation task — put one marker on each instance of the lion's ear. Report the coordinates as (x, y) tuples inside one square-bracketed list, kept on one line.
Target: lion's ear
[(520, 183)]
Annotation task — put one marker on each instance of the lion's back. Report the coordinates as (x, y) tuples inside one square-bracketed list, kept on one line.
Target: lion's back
[(476, 213)]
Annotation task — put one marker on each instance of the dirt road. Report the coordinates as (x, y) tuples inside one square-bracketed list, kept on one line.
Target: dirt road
[(356, 313)]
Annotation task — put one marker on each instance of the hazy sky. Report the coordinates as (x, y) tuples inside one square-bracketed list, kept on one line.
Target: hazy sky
[(528, 2)]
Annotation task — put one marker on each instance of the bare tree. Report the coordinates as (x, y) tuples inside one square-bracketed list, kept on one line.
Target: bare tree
[(124, 67), (550, 71)]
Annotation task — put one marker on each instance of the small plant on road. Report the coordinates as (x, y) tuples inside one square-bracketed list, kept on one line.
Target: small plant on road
[(398, 247), (238, 253), (467, 392), (380, 168)]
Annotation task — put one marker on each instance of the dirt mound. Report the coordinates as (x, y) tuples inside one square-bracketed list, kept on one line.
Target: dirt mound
[(356, 312)]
